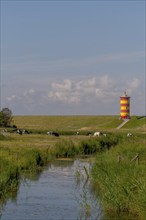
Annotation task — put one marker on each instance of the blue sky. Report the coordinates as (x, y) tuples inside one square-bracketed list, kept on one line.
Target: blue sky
[(72, 57)]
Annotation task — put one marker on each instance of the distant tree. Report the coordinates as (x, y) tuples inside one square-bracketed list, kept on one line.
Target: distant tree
[(1, 119), (5, 117)]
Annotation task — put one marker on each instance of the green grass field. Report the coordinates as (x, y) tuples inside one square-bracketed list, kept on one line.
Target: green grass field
[(119, 185), (74, 123)]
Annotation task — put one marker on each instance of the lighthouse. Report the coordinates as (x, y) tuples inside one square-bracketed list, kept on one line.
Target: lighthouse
[(125, 106)]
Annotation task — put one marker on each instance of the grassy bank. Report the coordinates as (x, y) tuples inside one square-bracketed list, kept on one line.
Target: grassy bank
[(15, 160), (66, 123), (120, 180)]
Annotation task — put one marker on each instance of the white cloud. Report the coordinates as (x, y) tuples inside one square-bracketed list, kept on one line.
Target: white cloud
[(64, 97), (66, 85), (99, 93), (80, 94), (86, 86), (105, 82), (11, 98), (106, 89), (133, 85), (103, 88), (29, 92), (72, 91)]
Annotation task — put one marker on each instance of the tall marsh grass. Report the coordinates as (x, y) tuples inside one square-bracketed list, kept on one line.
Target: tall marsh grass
[(121, 185), (69, 148), (31, 159), (15, 160), (9, 176)]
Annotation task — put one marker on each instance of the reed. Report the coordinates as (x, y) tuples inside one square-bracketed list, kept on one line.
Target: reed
[(121, 184), (66, 148), (16, 160), (9, 176)]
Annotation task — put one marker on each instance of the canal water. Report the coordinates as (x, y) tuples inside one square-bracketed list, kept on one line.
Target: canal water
[(60, 192)]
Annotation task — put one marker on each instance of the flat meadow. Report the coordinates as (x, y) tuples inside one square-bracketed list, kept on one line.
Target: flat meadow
[(118, 172)]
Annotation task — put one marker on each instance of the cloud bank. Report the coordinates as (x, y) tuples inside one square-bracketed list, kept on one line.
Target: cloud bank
[(69, 96)]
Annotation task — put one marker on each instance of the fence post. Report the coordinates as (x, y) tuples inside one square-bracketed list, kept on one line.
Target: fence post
[(136, 158), (119, 158), (17, 156)]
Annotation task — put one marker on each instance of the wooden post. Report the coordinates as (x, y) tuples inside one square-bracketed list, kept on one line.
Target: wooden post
[(119, 158), (47, 150), (136, 158), (17, 156)]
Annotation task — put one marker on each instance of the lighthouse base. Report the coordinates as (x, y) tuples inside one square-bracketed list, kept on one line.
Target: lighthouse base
[(125, 117)]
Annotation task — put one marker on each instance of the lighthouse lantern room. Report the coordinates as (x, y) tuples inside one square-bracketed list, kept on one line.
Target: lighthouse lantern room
[(125, 106)]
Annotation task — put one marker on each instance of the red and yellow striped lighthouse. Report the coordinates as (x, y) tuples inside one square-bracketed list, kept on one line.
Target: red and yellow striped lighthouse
[(125, 106)]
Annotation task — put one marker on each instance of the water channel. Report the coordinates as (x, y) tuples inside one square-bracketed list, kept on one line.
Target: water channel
[(60, 192)]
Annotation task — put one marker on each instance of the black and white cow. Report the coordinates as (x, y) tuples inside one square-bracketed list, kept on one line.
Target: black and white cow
[(52, 133), (129, 135)]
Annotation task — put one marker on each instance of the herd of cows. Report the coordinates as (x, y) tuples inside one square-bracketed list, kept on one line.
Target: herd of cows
[(56, 134), (51, 133), (97, 133)]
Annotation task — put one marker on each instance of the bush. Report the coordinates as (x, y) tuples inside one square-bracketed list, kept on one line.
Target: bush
[(108, 142), (98, 144), (66, 148), (31, 159), (89, 146)]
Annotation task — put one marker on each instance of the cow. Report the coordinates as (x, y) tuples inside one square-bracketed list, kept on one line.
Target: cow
[(129, 135), (96, 134), (52, 133), (19, 131), (104, 135), (49, 132), (25, 132), (89, 134), (55, 134)]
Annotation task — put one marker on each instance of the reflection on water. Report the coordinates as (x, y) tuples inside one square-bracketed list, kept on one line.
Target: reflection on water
[(60, 192), (12, 195)]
